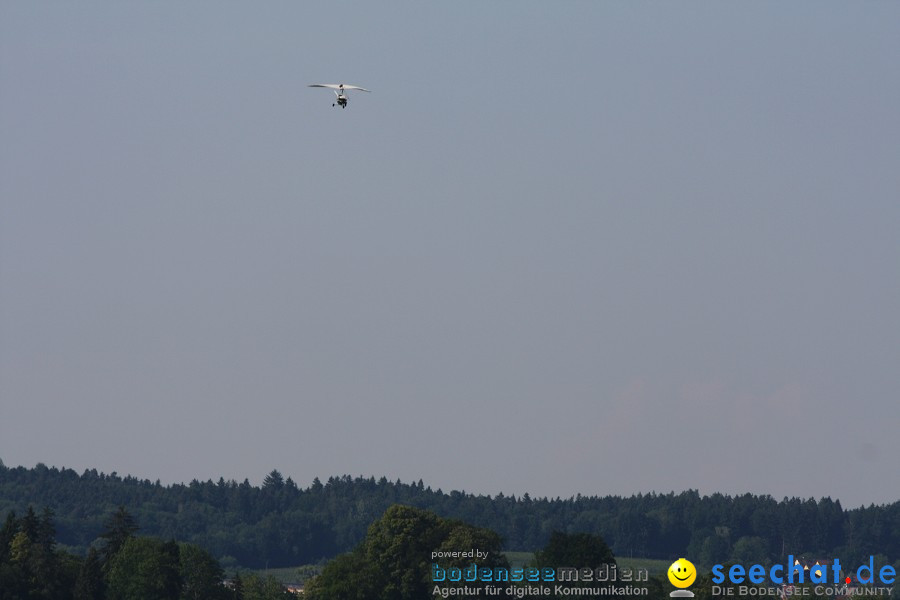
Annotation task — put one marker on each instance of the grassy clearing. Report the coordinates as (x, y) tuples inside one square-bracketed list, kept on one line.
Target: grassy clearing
[(654, 566), (519, 559), (288, 574), (516, 559)]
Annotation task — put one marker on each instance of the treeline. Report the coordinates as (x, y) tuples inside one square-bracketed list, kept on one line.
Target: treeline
[(118, 566), (394, 560), (281, 524)]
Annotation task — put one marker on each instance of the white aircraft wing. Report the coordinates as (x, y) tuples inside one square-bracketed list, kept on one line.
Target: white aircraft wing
[(339, 86)]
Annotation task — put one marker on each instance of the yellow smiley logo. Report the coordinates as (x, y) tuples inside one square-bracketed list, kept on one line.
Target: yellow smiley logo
[(682, 573)]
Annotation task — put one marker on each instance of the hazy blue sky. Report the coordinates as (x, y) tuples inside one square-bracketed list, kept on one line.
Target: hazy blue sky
[(562, 247)]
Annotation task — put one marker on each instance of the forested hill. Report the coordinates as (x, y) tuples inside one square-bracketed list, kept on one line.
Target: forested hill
[(283, 525)]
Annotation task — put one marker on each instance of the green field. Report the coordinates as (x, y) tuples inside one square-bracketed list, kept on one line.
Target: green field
[(287, 574), (519, 559), (516, 559), (653, 566)]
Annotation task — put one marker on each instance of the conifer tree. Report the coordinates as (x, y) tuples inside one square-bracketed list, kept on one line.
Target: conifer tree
[(90, 584), (119, 528)]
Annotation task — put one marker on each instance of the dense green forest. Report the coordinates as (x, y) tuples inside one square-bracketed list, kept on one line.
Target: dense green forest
[(393, 560), (120, 565), (281, 524)]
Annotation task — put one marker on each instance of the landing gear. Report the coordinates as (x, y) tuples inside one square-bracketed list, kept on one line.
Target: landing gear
[(341, 98)]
